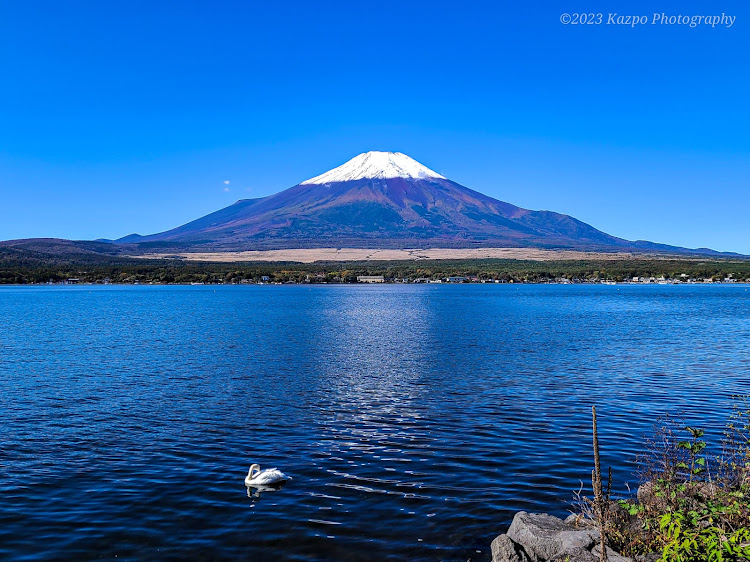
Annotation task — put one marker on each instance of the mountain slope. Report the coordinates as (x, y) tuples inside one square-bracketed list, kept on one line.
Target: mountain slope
[(382, 199)]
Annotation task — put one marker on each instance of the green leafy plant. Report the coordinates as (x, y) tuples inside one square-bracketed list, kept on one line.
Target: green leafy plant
[(694, 448), (683, 512), (687, 543)]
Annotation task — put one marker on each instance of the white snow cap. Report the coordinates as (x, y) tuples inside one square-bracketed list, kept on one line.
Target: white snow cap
[(376, 165)]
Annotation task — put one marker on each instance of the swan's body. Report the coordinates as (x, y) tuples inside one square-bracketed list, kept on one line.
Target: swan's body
[(268, 477)]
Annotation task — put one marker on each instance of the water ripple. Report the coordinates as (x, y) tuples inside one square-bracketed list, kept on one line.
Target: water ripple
[(415, 420)]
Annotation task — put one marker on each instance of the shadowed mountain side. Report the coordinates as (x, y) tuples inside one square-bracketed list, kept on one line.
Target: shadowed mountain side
[(35, 252), (372, 209), (385, 213)]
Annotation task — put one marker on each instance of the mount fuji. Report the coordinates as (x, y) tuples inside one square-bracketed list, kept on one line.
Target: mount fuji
[(383, 200)]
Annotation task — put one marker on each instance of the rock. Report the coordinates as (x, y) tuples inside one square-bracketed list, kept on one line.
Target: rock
[(544, 537), (612, 556), (651, 557), (505, 550), (576, 555), (708, 490), (578, 538), (646, 494)]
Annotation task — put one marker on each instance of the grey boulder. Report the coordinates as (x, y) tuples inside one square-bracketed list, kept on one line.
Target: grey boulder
[(545, 537), (505, 550), (576, 555)]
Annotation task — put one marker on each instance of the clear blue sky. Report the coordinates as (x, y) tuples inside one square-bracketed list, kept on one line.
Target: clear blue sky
[(129, 116)]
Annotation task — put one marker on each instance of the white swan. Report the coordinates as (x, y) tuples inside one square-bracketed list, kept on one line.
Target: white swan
[(267, 477)]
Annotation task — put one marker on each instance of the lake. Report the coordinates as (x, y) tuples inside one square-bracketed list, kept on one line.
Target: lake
[(415, 420)]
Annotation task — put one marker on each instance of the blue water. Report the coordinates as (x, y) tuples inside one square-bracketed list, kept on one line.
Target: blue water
[(414, 420)]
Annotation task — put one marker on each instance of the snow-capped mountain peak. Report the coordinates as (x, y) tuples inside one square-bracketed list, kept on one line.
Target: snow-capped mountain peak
[(376, 165)]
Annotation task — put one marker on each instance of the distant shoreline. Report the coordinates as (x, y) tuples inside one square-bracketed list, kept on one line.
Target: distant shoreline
[(154, 284), (99, 283), (476, 265)]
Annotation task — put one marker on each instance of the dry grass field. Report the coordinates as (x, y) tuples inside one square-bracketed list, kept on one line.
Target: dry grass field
[(311, 255)]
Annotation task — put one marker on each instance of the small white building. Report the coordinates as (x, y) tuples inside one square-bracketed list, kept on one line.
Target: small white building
[(370, 279)]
